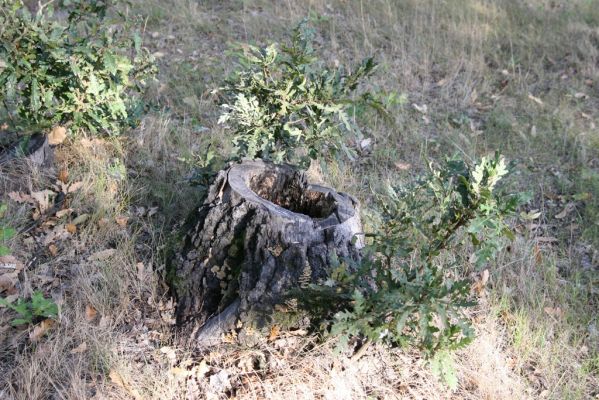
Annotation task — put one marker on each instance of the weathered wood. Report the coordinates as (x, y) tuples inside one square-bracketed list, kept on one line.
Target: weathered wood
[(261, 231), (37, 150)]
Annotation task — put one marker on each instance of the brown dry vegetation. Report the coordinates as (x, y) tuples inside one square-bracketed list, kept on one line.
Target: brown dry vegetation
[(518, 76)]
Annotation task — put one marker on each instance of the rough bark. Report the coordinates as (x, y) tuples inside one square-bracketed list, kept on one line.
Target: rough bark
[(261, 231)]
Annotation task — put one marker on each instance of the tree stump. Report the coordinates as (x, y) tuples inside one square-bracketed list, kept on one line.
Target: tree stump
[(261, 231), (36, 149)]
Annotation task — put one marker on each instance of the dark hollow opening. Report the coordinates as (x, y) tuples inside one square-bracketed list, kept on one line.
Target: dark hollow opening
[(290, 190)]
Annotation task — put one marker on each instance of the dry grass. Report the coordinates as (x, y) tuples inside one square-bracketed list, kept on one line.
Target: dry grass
[(518, 76)]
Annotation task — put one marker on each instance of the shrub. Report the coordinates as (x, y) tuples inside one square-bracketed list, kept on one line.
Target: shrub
[(407, 288), (81, 72), (283, 105)]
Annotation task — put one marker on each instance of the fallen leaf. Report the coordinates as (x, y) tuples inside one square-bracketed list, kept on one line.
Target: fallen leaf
[(57, 135), (122, 221), (274, 332), (199, 371), (11, 262), (170, 353), (42, 198), (533, 131), (531, 215), (71, 228), (479, 285), (90, 313), (21, 197), (179, 373), (62, 213), (420, 108), (365, 144), (220, 381), (567, 209), (535, 99), (538, 254), (556, 312), (63, 175), (403, 166), (101, 255), (79, 349), (8, 282), (141, 270), (75, 186), (40, 329), (53, 250), (118, 380)]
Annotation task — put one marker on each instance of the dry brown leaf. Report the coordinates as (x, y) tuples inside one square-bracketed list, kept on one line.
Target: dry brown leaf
[(480, 284), (10, 268), (179, 373), (122, 221), (141, 270), (62, 213), (57, 135), (8, 282), (42, 199), (53, 250), (567, 209), (538, 254), (75, 186), (535, 99), (170, 353), (40, 329), (274, 332), (90, 313), (80, 349), (423, 109), (118, 380), (556, 312), (101, 255), (63, 175), (21, 197), (403, 166), (11, 263), (71, 228), (199, 371)]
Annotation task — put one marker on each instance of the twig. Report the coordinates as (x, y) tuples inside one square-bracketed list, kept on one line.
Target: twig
[(361, 351)]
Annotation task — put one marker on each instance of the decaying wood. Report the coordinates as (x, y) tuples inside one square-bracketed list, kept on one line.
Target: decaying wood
[(261, 231)]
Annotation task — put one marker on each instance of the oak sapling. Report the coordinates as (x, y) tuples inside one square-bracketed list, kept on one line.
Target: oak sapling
[(284, 105)]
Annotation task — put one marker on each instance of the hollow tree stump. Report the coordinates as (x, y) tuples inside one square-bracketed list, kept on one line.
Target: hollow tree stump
[(37, 150), (261, 231)]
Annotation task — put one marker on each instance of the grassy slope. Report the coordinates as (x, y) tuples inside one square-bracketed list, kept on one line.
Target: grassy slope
[(520, 77)]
